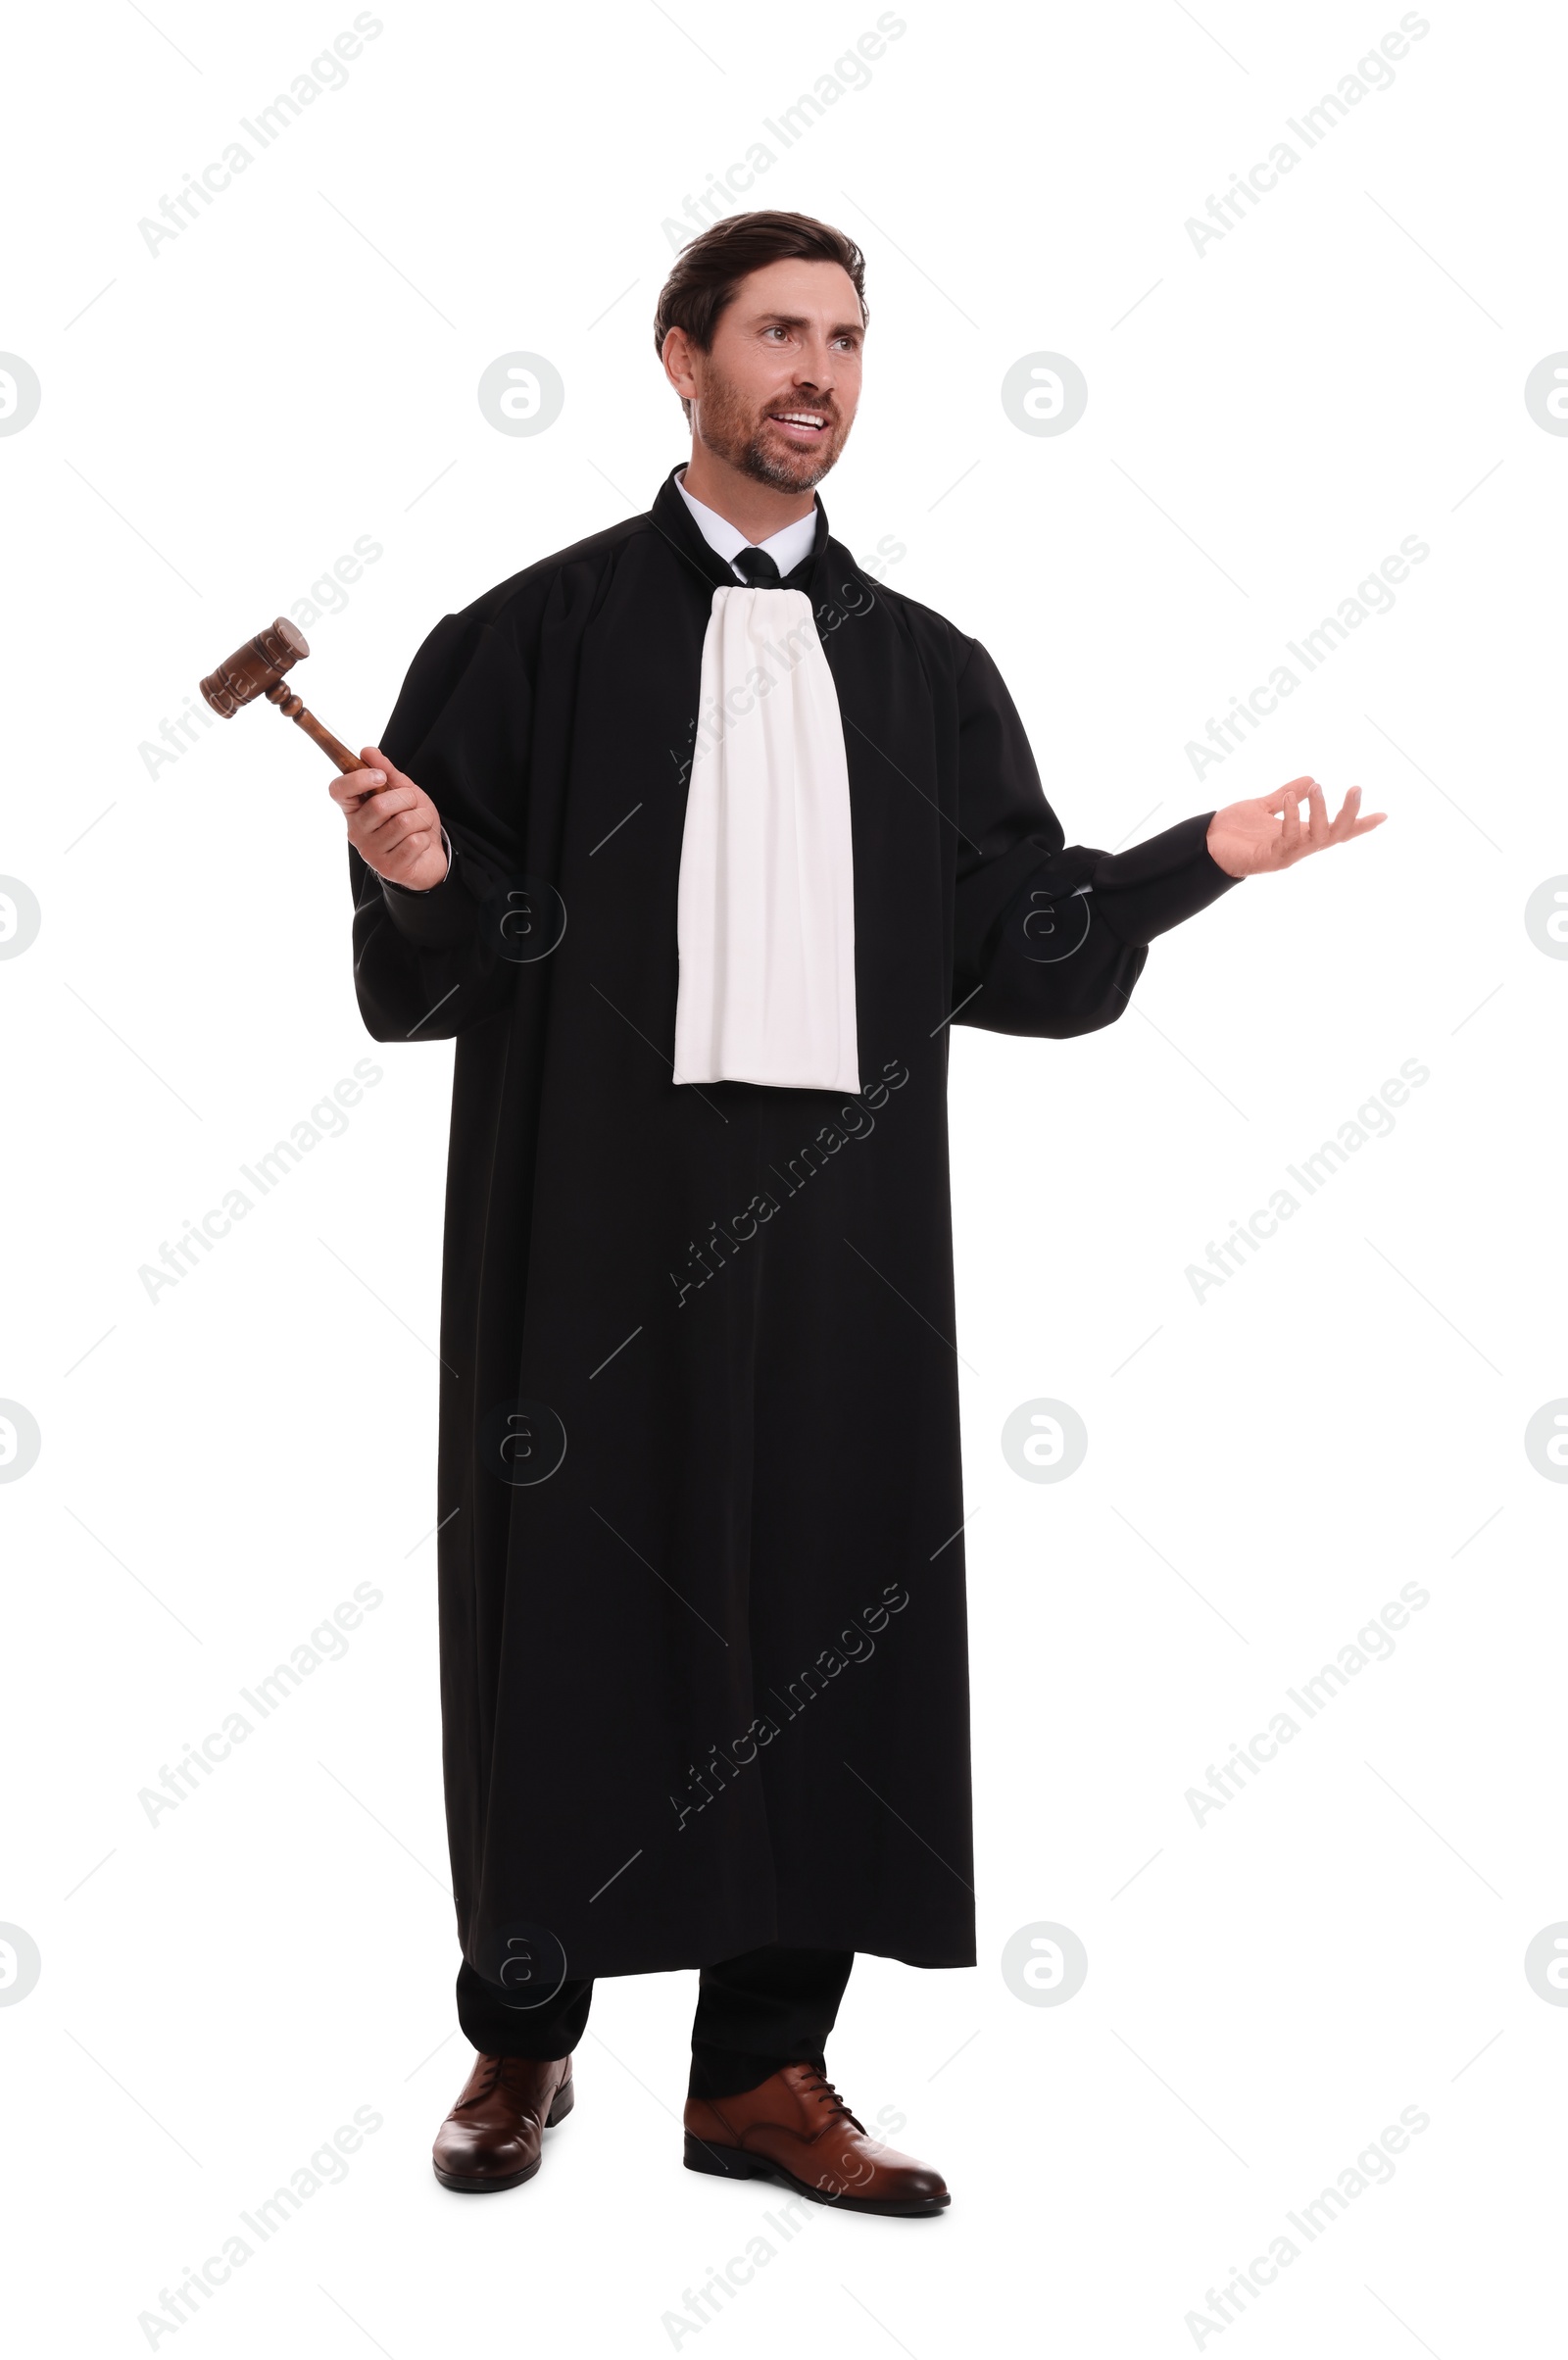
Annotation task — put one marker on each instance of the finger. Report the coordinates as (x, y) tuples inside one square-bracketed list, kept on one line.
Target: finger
[(1291, 828), (1344, 816), (1296, 789), (403, 839), (1373, 819), (351, 788), (376, 760), (385, 803), (396, 861), (1317, 818), (377, 834), (374, 831)]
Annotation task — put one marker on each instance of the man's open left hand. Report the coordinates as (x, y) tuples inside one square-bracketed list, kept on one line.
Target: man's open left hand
[(1267, 831)]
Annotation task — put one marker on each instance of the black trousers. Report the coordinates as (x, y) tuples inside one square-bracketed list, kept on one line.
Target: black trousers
[(756, 2013)]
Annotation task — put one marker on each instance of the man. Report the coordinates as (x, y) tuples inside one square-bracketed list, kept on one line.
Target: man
[(696, 842)]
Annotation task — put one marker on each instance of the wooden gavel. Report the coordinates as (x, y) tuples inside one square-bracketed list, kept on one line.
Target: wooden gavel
[(257, 670)]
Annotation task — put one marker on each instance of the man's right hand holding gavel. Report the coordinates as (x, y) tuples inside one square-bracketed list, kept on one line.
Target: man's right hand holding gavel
[(393, 825)]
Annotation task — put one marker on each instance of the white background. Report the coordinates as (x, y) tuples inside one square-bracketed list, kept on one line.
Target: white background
[(1266, 1990)]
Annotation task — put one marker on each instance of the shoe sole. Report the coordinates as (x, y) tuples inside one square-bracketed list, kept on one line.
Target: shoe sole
[(561, 2107), (733, 2163)]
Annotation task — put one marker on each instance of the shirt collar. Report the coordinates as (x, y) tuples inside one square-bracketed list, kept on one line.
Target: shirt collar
[(787, 549)]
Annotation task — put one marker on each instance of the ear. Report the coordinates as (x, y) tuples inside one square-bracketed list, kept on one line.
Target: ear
[(682, 363)]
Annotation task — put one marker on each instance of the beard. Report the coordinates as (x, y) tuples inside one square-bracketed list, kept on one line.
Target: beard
[(729, 428)]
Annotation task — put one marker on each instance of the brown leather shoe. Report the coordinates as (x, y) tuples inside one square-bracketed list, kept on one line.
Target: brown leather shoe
[(494, 2136), (796, 2128)]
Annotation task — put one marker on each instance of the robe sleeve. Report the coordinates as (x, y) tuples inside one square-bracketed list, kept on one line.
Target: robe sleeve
[(1049, 938), (429, 965)]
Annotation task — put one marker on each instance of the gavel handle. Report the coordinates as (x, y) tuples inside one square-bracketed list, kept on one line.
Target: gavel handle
[(301, 715)]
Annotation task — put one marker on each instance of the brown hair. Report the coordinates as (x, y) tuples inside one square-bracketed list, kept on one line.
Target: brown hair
[(708, 272)]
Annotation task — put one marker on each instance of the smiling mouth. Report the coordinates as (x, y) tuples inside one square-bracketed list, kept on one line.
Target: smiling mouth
[(804, 425)]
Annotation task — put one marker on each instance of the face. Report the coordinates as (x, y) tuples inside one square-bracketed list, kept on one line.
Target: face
[(776, 396)]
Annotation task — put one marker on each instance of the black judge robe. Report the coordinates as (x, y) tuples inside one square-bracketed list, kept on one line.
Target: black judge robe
[(703, 1677)]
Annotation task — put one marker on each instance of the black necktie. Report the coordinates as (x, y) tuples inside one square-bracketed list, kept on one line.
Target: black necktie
[(756, 568)]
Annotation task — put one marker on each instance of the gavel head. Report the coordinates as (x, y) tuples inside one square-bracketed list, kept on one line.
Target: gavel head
[(253, 668)]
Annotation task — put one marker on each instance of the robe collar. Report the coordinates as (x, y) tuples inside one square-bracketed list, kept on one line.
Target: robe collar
[(675, 521)]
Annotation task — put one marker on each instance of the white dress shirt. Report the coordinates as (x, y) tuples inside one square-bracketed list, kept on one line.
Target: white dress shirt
[(786, 548)]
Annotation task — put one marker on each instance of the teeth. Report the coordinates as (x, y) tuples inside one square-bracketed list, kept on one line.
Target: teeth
[(799, 418)]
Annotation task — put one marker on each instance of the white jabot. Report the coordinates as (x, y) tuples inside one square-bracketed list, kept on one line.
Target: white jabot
[(765, 910), (765, 913)]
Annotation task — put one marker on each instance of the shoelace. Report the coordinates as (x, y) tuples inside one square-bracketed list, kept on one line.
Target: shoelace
[(823, 2089), (495, 2070)]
